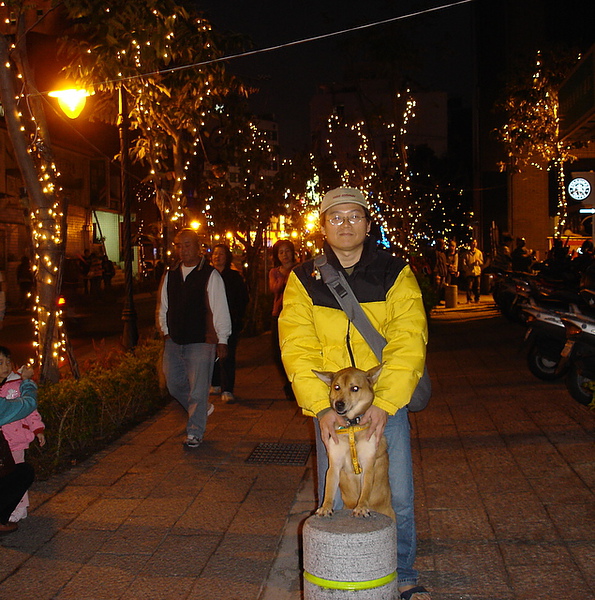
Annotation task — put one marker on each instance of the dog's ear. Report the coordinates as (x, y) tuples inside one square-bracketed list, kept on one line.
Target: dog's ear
[(326, 376), (373, 373)]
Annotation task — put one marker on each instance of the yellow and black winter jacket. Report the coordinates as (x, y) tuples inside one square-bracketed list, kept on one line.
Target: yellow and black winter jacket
[(315, 333)]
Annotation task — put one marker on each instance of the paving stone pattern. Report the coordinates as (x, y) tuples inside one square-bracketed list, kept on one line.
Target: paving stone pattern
[(505, 480)]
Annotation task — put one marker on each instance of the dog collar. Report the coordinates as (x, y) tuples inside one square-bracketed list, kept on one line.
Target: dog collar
[(351, 430)]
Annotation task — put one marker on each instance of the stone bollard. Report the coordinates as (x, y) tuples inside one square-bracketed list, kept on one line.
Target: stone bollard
[(351, 558), (451, 296)]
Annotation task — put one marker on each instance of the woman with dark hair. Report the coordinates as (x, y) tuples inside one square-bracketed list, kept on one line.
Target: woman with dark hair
[(224, 373), (283, 264)]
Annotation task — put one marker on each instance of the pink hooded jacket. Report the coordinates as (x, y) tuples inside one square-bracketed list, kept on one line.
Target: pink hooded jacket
[(19, 434)]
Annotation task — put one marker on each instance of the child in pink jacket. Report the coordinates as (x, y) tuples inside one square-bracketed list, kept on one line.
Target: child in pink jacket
[(19, 434)]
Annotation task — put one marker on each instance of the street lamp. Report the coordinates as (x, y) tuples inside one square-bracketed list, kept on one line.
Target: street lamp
[(130, 330), (72, 101)]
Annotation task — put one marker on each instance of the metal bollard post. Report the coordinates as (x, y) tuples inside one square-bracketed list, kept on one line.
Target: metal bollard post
[(451, 296), (351, 558)]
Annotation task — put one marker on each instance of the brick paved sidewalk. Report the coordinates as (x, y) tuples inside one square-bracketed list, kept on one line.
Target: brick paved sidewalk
[(505, 481), (148, 519), (505, 474)]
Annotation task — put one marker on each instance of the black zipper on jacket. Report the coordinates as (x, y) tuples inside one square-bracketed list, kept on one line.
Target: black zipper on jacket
[(348, 342)]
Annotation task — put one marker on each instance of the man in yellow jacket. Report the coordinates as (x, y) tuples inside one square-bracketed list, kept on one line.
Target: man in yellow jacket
[(315, 333)]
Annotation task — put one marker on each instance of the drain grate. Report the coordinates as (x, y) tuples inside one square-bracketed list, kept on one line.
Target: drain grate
[(280, 454)]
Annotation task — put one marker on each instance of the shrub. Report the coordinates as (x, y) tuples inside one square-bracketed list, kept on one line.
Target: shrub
[(116, 392), (428, 292)]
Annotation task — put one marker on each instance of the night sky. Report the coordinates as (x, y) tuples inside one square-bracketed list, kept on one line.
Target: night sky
[(439, 45)]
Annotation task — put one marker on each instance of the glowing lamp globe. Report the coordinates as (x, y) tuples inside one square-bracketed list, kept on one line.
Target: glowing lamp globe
[(71, 101)]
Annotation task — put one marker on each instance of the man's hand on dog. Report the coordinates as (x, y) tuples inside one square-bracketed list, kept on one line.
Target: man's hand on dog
[(377, 417), (329, 421)]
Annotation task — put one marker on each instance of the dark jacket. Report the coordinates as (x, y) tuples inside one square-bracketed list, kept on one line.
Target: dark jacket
[(237, 297), (187, 305)]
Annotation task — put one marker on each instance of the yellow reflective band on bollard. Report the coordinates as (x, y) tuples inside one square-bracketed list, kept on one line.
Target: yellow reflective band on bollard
[(349, 585)]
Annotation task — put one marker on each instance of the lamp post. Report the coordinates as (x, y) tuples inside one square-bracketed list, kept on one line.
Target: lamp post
[(72, 102), (130, 330)]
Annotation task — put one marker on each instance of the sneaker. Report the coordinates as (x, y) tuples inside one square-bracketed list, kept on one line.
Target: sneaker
[(227, 397), (210, 409), (192, 442), (17, 515), (215, 389)]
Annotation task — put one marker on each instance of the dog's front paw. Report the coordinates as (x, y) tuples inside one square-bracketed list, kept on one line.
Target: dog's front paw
[(324, 511), (361, 511)]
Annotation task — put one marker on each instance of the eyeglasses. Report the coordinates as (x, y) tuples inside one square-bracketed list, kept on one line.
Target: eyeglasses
[(339, 220)]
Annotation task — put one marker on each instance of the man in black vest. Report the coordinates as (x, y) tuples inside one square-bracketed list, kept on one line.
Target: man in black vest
[(194, 319)]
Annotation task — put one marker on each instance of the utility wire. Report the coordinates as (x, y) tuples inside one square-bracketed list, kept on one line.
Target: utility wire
[(290, 44)]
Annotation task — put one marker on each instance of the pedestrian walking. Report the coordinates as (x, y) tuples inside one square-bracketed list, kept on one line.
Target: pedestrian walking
[(439, 268), (224, 373), (473, 267), (283, 263), (452, 263), (107, 272), (192, 304), (95, 274)]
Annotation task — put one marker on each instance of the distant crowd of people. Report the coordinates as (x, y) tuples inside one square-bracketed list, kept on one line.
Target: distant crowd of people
[(449, 265), (561, 262), (96, 269)]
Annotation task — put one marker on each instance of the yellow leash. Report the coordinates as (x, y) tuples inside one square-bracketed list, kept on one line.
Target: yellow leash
[(352, 430)]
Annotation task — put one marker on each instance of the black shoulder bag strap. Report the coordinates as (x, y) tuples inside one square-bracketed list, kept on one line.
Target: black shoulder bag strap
[(341, 290)]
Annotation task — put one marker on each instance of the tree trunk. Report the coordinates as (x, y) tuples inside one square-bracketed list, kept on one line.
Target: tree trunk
[(42, 205)]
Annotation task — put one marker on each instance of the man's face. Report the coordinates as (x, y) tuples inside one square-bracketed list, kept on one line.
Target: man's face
[(188, 249), (5, 367), (345, 236)]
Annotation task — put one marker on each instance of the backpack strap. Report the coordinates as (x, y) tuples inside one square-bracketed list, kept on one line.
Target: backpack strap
[(341, 290)]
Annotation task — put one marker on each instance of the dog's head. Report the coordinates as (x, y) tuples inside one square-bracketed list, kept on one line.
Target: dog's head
[(351, 389)]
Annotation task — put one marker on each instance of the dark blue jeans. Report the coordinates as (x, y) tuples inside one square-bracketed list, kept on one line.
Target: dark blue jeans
[(188, 371)]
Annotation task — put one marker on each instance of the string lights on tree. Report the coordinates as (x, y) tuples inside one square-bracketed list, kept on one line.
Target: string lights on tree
[(531, 133), (32, 151), (401, 199)]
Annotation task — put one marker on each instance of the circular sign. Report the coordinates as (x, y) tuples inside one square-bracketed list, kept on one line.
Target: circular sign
[(579, 188)]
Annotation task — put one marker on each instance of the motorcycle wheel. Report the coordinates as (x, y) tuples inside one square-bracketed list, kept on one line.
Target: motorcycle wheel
[(542, 366), (575, 383)]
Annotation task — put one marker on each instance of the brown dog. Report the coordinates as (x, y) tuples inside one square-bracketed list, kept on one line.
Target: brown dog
[(358, 466)]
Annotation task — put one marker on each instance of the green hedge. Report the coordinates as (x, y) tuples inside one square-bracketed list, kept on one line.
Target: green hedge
[(116, 391)]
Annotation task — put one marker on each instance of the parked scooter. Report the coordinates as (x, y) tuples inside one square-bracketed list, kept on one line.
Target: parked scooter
[(509, 292), (578, 355), (514, 291), (545, 338)]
